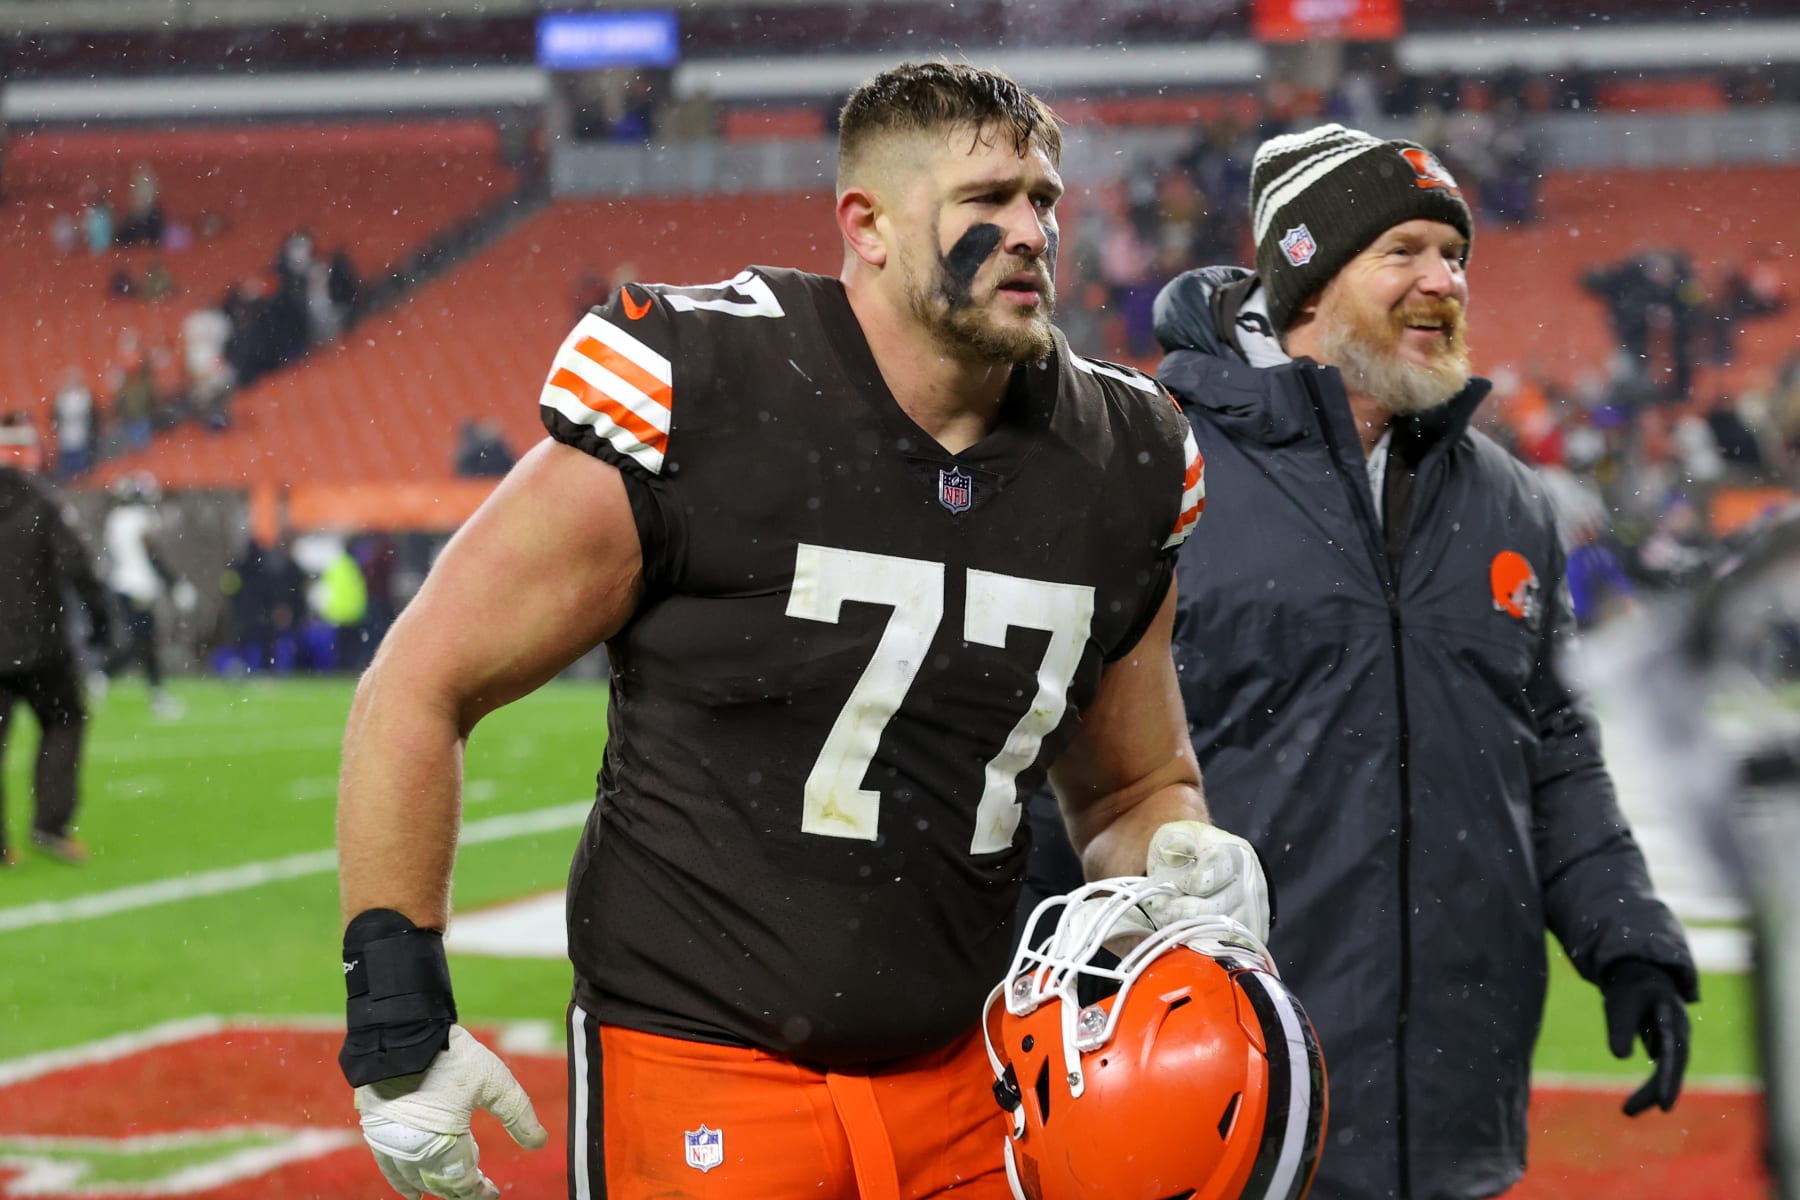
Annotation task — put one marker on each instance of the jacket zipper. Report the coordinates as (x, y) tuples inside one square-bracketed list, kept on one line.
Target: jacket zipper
[(1405, 886), (1388, 573)]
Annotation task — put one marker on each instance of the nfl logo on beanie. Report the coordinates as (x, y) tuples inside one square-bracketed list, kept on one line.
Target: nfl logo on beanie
[(1318, 198), (1297, 246)]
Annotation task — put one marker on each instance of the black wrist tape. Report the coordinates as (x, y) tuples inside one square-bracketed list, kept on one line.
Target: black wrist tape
[(399, 1009)]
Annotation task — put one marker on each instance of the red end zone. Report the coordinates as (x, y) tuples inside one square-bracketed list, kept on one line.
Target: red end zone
[(114, 1122), (262, 1114)]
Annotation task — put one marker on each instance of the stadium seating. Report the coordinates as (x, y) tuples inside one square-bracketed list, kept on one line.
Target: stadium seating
[(380, 189), (387, 403), (1528, 304)]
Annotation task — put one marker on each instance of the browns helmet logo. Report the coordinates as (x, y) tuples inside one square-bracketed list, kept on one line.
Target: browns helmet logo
[(1515, 586), (1429, 171)]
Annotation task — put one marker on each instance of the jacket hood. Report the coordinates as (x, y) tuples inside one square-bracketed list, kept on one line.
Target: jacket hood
[(1204, 368), (1185, 316)]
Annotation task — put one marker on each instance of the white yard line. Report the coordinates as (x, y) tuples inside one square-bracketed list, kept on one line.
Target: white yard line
[(523, 1038), (209, 747), (256, 874), (109, 1049)]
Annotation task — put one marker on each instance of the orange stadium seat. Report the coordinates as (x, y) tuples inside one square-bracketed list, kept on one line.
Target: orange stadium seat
[(769, 123), (1703, 93), (381, 190)]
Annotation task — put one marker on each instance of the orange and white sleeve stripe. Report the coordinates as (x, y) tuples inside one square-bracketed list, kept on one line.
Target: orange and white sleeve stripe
[(1193, 492), (605, 378)]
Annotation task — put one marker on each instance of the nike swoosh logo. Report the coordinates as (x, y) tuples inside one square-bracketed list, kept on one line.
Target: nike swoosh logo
[(633, 308)]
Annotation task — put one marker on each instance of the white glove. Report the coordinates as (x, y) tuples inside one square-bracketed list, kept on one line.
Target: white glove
[(185, 595), (418, 1125), (1218, 874)]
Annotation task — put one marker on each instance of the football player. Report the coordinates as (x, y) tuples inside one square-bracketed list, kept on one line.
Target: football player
[(869, 555)]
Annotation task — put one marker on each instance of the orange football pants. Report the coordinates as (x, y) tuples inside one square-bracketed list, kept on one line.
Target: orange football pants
[(663, 1118)]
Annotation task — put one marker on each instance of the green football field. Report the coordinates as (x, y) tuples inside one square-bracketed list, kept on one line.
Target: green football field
[(211, 889)]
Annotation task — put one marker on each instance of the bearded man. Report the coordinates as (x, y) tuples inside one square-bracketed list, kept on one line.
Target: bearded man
[(1369, 620)]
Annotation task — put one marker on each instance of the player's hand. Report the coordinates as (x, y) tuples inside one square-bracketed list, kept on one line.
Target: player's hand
[(418, 1125), (1218, 874), (185, 595), (1642, 1000)]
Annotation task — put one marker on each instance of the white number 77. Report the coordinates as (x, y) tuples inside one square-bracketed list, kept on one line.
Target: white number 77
[(836, 804)]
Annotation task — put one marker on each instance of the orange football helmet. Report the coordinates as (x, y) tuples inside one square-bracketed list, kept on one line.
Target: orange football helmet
[(1198, 1079)]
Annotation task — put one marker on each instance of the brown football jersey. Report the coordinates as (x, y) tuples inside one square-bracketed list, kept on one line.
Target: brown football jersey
[(856, 654)]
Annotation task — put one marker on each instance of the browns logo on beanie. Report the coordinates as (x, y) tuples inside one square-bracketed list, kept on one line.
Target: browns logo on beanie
[(1318, 198)]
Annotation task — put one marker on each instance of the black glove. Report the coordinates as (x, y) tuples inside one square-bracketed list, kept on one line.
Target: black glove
[(1643, 1000)]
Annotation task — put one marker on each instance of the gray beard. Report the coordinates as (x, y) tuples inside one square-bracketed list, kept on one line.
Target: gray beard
[(1395, 384)]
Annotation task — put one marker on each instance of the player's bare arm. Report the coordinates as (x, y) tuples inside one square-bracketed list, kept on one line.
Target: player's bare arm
[(1132, 768), (547, 568), (1130, 792)]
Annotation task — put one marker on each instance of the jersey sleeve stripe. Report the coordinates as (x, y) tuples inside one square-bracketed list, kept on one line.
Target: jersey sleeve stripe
[(1193, 492), (603, 407), (601, 330), (623, 378), (610, 381)]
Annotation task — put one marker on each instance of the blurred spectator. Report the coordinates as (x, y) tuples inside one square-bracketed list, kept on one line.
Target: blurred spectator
[(133, 393), (1128, 270), (245, 586), (341, 598), (1652, 300), (64, 236), (72, 415), (43, 556), (205, 333), (636, 118), (143, 219), (1678, 551), (96, 220), (378, 557), (168, 382), (156, 283), (482, 451), (1599, 586), (265, 591), (1515, 162), (323, 321), (1747, 291), (294, 260), (1733, 440), (344, 287), (137, 536)]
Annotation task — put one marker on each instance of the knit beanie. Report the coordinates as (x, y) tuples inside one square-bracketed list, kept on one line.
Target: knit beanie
[(1318, 198)]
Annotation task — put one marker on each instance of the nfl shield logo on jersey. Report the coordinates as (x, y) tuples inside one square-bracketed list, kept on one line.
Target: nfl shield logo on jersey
[(1298, 245), (705, 1148), (956, 491)]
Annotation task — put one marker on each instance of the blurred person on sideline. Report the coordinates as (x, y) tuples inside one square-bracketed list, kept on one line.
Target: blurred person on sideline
[(869, 555), (481, 450), (72, 414), (137, 570), (42, 555), (1371, 617)]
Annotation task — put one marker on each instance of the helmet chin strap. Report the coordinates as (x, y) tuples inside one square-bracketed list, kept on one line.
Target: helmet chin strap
[(1012, 1174)]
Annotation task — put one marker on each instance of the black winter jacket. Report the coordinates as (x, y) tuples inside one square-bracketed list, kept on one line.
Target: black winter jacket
[(1393, 736), (40, 557)]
